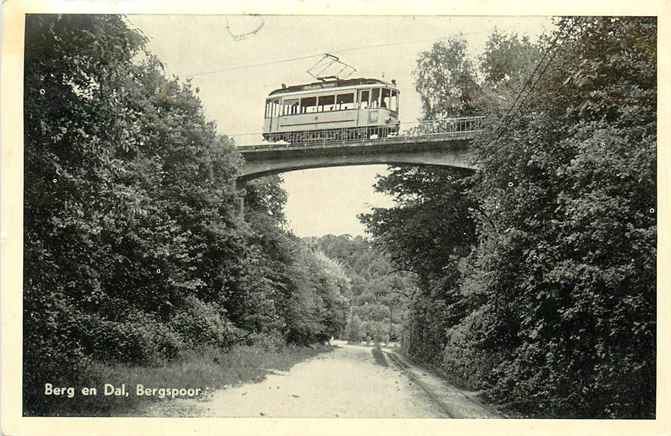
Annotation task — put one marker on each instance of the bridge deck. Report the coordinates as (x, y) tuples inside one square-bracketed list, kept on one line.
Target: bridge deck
[(444, 143), (390, 140)]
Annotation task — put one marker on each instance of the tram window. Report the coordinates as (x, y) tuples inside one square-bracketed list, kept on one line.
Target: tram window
[(276, 108), (375, 100), (326, 103), (290, 106), (266, 114), (393, 101), (309, 104), (345, 101), (386, 98), (364, 96)]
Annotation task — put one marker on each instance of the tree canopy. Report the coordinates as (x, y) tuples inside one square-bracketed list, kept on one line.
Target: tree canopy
[(136, 249), (537, 272)]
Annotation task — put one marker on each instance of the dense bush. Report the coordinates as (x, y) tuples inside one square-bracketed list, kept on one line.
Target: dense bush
[(378, 289), (202, 324), (537, 277), (354, 329), (135, 248), (139, 338)]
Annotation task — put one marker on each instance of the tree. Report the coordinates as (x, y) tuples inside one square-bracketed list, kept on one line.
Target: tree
[(135, 248), (378, 292), (549, 304), (446, 81), (353, 331), (506, 64)]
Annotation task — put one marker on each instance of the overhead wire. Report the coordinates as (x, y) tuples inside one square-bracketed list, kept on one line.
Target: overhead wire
[(501, 128), (310, 56), (502, 124), (529, 82), (261, 64)]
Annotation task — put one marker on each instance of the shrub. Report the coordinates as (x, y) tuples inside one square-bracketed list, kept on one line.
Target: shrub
[(138, 339), (52, 350), (271, 341), (464, 363), (353, 331), (203, 323)]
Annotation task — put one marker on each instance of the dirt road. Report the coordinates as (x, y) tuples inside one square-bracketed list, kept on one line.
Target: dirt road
[(348, 382)]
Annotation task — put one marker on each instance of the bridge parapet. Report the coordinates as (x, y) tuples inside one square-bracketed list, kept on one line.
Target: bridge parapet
[(456, 129), (446, 126)]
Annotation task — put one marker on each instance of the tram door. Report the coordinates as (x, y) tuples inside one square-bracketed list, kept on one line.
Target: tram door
[(374, 106), (273, 115), (364, 108)]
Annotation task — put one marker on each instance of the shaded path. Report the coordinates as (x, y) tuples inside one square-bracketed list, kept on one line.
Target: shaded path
[(348, 382)]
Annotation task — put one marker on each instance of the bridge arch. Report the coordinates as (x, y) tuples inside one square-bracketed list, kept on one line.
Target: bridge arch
[(436, 150)]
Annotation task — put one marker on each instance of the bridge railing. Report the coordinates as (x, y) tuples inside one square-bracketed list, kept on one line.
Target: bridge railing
[(446, 126), (445, 129)]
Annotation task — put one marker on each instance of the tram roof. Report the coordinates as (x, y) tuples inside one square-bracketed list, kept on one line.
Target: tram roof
[(328, 84)]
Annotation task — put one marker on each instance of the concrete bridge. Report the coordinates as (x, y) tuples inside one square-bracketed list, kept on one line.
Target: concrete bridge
[(447, 147)]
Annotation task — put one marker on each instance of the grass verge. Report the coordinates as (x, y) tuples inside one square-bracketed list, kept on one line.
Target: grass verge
[(379, 356), (206, 369)]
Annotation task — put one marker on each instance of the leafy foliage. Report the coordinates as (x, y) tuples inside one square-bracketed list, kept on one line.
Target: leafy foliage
[(318, 307), (379, 291), (445, 79), (136, 249), (548, 303)]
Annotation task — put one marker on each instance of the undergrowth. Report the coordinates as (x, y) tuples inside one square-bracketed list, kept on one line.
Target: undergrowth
[(206, 369)]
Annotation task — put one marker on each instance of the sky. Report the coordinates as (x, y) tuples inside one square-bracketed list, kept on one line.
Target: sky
[(234, 75)]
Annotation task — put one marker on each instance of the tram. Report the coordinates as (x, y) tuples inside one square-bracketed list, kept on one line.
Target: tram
[(332, 110)]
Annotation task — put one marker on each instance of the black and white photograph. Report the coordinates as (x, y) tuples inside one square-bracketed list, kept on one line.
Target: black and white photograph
[(339, 216)]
